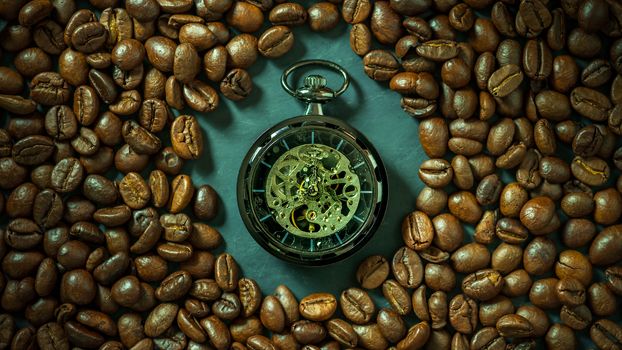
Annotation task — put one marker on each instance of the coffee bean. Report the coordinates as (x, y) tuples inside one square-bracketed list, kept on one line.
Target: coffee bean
[(342, 332), (605, 246), (134, 191), (228, 307), (356, 11), (416, 337), (372, 272), (272, 314), (324, 16), (417, 231), (592, 171), (275, 42), (463, 314), (483, 284), (357, 305), (590, 103), (186, 137), (505, 80), (471, 257), (576, 317), (370, 336), (226, 272), (380, 65), (438, 50), (242, 51), (236, 85), (318, 306), (514, 325)]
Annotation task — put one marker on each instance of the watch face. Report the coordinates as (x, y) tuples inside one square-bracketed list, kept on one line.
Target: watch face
[(312, 190)]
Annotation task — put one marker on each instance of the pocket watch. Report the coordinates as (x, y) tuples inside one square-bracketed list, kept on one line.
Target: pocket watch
[(312, 190)]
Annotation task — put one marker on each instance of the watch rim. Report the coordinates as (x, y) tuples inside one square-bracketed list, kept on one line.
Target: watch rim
[(250, 221)]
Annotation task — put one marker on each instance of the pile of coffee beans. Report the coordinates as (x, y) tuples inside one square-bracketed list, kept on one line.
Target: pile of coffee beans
[(516, 240)]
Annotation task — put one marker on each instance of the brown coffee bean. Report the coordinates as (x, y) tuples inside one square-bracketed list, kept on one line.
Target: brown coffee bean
[(576, 317), (470, 258), (417, 231), (380, 65), (590, 103), (505, 80), (275, 42), (318, 306), (433, 135), (236, 85), (608, 206), (416, 337), (370, 337), (357, 305), (272, 314), (463, 314), (372, 272), (323, 16), (606, 333), (159, 187), (483, 284), (186, 137), (439, 277), (605, 247), (342, 332), (134, 191), (464, 206), (250, 296), (226, 272), (438, 50), (52, 336), (242, 51), (160, 319), (514, 326), (592, 171), (356, 11)]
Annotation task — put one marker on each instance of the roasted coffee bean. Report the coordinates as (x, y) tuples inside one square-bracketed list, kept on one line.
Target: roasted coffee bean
[(505, 80), (272, 314), (439, 277), (416, 337), (372, 272), (590, 103), (436, 173), (175, 252), (385, 23), (357, 306), (463, 314), (470, 258), (576, 317), (236, 85), (592, 171), (134, 191), (605, 248), (318, 306), (380, 65), (514, 326), (606, 333), (186, 137), (464, 206), (417, 231), (370, 336), (483, 284), (342, 332)]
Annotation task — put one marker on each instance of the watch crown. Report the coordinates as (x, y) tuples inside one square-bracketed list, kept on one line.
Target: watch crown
[(315, 81)]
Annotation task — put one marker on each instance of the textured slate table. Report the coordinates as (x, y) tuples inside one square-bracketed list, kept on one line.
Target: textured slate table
[(368, 106)]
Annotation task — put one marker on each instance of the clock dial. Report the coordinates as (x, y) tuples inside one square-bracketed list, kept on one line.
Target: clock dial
[(312, 190)]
